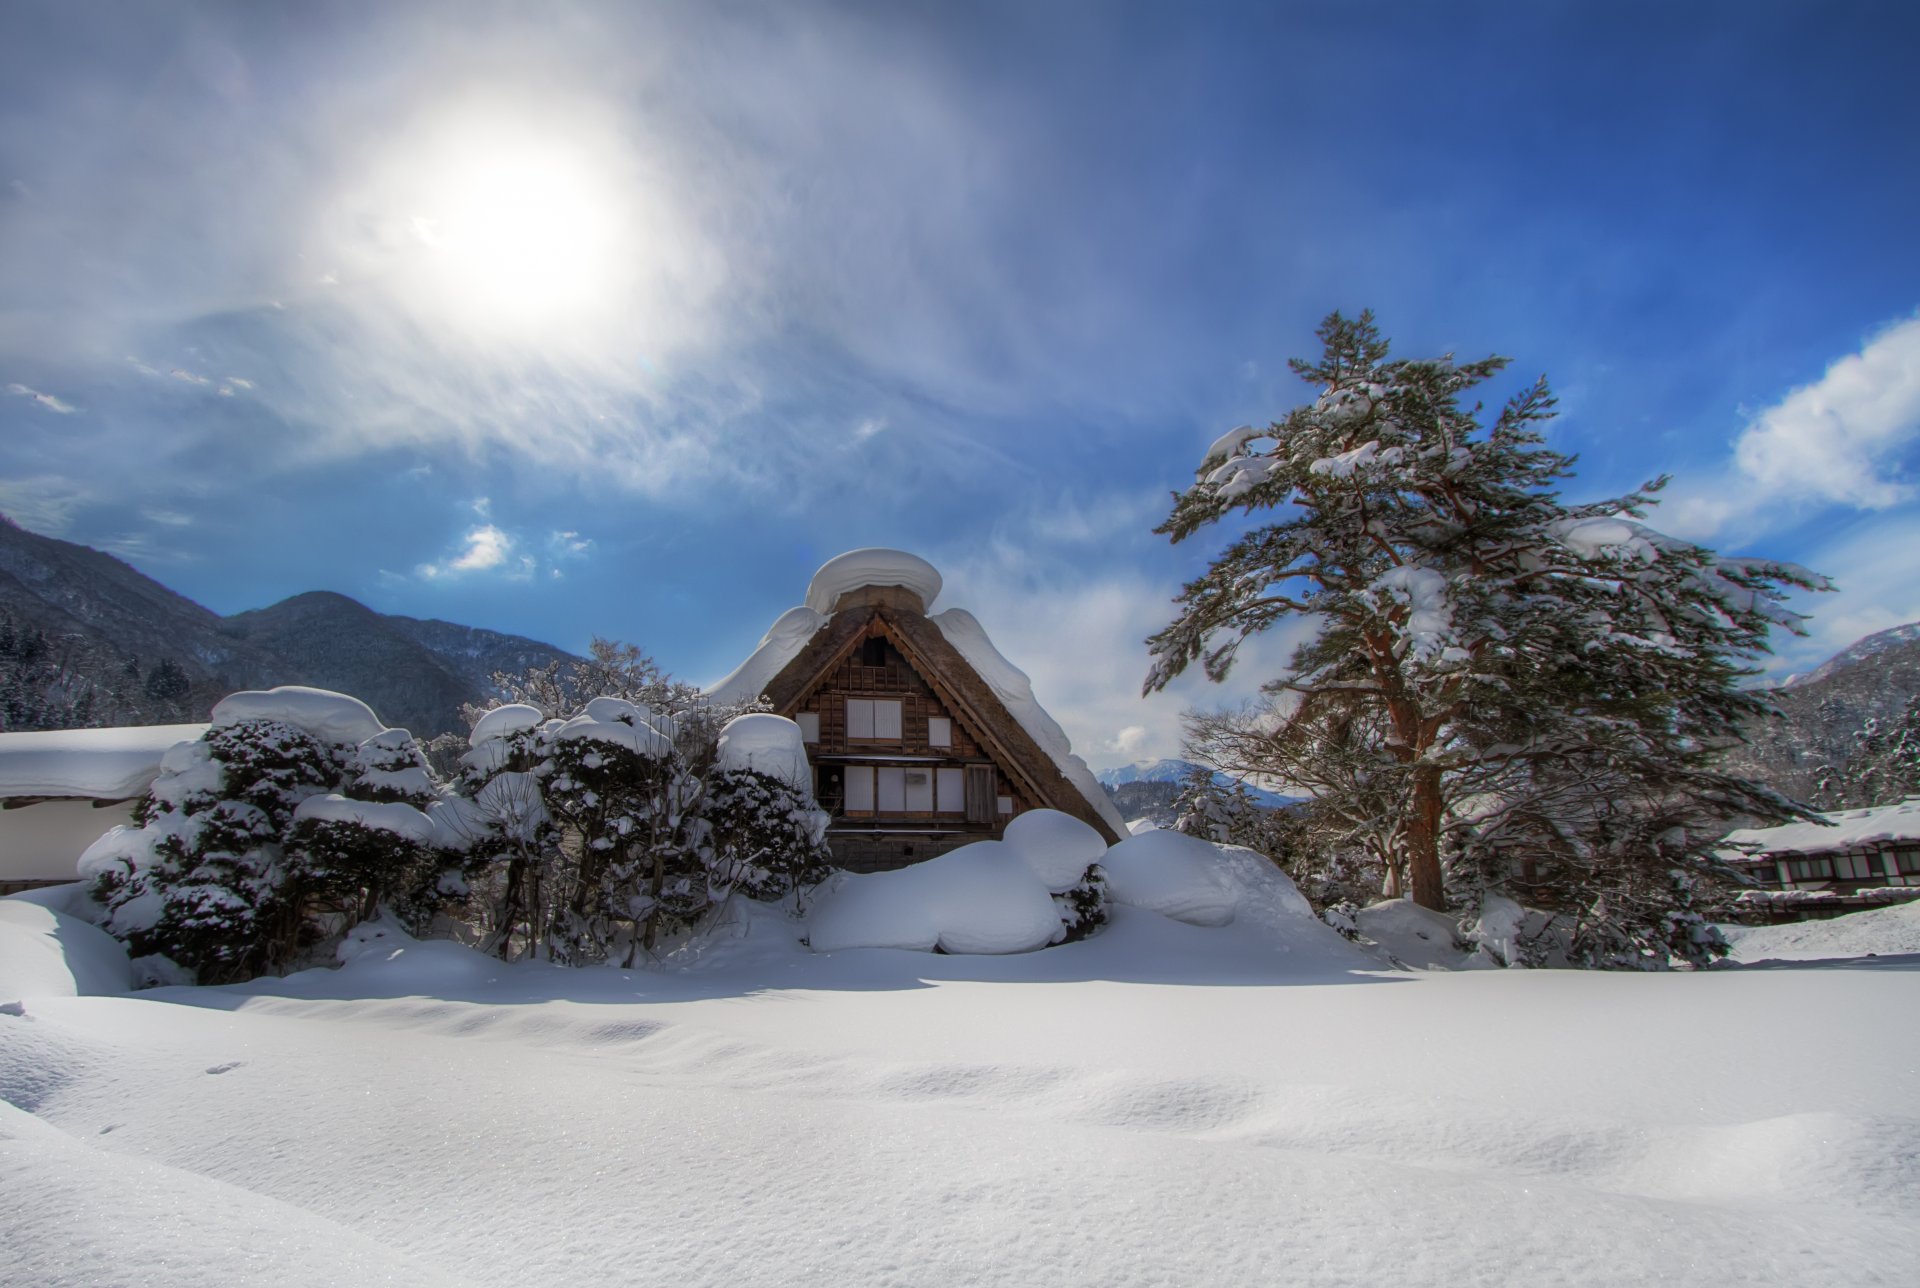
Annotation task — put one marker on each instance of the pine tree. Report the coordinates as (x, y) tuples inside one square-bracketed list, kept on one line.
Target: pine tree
[(1481, 641)]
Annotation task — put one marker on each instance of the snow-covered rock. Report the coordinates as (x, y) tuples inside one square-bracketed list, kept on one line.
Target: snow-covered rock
[(981, 898), (402, 820), (772, 745), (329, 716), (1058, 847), (873, 566), (1172, 874)]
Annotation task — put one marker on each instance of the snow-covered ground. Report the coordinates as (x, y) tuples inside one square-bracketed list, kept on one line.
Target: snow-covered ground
[(1883, 932), (1260, 1102)]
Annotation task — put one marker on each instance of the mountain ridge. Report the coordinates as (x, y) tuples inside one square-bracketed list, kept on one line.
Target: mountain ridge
[(107, 627)]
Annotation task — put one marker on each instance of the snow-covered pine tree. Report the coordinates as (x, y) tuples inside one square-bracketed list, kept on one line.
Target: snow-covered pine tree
[(766, 839), (1472, 625)]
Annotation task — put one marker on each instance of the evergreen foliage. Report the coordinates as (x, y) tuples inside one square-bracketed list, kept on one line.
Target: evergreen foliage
[(1498, 677), (1882, 769)]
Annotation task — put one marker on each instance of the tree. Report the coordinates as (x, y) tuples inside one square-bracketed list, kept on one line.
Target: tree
[(1882, 769), (1481, 643)]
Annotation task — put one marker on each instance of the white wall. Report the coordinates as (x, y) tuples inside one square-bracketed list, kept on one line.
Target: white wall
[(41, 842)]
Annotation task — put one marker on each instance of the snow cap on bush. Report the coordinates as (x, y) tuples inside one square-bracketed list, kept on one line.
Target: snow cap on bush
[(1058, 847), (769, 744), (980, 898), (332, 717)]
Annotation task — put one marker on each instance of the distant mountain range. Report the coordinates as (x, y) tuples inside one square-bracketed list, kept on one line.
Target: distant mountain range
[(1176, 771), (1823, 711), (106, 630)]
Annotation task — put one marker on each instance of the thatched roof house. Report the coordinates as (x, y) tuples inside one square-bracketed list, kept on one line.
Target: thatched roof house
[(922, 736)]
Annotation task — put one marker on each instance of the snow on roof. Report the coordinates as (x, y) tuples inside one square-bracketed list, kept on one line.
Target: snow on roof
[(873, 566), (779, 646), (332, 717), (1850, 828), (1015, 691), (771, 744), (98, 764)]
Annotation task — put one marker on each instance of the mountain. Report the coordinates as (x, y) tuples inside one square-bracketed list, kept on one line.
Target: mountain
[(1823, 712), (1176, 771), (83, 637)]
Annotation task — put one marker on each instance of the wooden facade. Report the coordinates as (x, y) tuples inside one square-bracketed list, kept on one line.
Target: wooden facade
[(913, 754)]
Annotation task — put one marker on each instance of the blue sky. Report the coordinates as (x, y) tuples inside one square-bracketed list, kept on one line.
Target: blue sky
[(618, 319)]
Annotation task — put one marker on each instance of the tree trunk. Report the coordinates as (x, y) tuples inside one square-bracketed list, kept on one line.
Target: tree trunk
[(1423, 839)]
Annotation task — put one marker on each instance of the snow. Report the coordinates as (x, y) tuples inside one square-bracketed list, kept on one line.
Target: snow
[(331, 717), (1158, 1104), (1420, 938), (401, 820), (641, 739), (47, 953), (1058, 847), (1846, 830), (1232, 444), (1172, 874), (771, 744), (1883, 932), (98, 764), (1015, 691), (873, 566), (980, 898), (504, 722), (1428, 627), (611, 710), (779, 646)]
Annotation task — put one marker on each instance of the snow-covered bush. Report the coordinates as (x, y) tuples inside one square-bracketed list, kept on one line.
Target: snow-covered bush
[(629, 820), (264, 836)]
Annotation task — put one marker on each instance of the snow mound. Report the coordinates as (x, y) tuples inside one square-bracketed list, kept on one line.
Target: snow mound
[(402, 820), (1418, 938), (779, 646), (101, 764), (44, 953), (1058, 847), (1883, 932), (980, 898), (329, 716), (1141, 826), (1172, 874), (770, 744), (504, 722), (1015, 691), (873, 566)]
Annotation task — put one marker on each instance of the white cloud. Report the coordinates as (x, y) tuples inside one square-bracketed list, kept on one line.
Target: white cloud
[(486, 547), (1840, 438), (48, 401)]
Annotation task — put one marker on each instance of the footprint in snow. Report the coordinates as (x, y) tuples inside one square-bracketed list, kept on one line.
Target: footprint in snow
[(227, 1067)]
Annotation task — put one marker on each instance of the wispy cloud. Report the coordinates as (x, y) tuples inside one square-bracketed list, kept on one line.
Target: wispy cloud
[(48, 401), (42, 503)]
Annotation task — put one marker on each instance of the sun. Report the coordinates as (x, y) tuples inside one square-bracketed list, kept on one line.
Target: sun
[(522, 233)]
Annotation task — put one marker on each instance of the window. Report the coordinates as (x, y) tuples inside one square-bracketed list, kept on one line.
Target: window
[(1006, 804), (892, 795), (1811, 869), (873, 652), (1909, 861), (1855, 867), (951, 791), (809, 722), (875, 719), (860, 788), (919, 791), (939, 731)]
